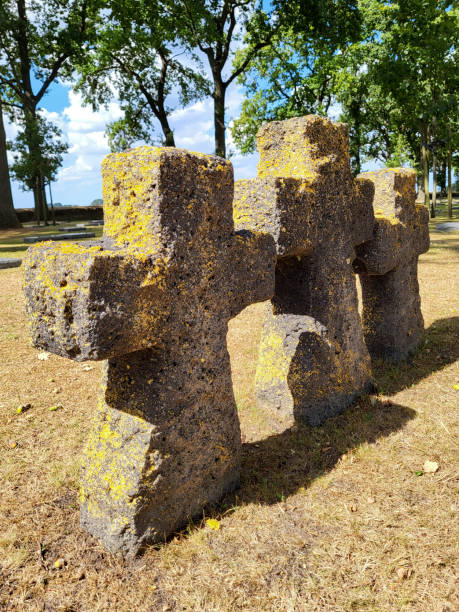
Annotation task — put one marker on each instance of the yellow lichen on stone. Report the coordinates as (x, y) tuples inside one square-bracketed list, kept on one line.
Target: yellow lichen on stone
[(133, 188), (273, 362), (115, 459), (299, 147), (392, 187), (130, 212)]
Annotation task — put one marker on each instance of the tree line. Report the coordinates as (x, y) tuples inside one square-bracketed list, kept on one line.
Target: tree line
[(386, 68)]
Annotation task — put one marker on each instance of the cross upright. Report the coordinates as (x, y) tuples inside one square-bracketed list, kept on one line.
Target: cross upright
[(313, 361), (388, 266), (153, 299)]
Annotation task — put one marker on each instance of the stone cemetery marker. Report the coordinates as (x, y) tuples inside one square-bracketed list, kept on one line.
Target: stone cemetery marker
[(71, 228), (154, 299), (388, 266), (313, 361), (72, 236), (448, 227), (10, 263)]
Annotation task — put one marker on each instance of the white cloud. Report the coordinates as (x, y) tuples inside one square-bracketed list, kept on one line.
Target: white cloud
[(82, 119)]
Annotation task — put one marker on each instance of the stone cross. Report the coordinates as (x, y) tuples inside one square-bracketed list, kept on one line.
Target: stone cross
[(154, 299), (313, 361), (388, 266)]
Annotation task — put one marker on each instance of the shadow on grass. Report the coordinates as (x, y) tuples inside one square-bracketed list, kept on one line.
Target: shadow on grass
[(438, 246), (439, 348), (274, 468)]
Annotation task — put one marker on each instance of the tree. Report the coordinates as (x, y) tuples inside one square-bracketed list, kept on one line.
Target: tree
[(37, 156), (37, 41), (8, 218), (213, 27), (136, 58), (296, 74), (388, 66), (291, 77), (417, 69)]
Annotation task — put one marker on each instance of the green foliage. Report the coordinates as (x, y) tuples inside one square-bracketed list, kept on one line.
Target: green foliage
[(296, 74), (388, 66), (38, 148), (137, 59), (38, 40)]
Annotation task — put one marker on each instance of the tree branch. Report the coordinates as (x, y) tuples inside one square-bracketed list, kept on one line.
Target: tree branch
[(248, 59), (51, 77), (151, 101), (12, 104)]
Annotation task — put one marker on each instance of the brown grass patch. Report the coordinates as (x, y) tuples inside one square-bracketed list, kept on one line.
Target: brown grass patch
[(333, 518)]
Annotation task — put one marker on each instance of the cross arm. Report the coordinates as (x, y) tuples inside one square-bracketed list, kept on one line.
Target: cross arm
[(401, 229), (281, 207), (421, 227), (92, 302)]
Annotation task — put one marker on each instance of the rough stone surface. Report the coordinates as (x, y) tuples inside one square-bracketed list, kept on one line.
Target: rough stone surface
[(392, 318), (55, 237), (9, 263), (313, 361), (154, 298)]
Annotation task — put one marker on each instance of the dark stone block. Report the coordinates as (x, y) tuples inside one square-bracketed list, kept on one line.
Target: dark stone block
[(55, 237), (9, 263), (313, 361), (392, 318)]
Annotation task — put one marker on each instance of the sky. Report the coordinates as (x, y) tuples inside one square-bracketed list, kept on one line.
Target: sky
[(79, 181)]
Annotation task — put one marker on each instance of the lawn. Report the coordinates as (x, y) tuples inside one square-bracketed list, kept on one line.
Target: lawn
[(342, 517)]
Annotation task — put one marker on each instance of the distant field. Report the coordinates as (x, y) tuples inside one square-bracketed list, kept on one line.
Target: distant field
[(337, 518), (12, 241)]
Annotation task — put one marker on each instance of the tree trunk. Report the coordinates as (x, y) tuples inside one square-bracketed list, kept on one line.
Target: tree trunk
[(8, 217), (41, 210), (450, 187), (433, 206), (36, 199), (169, 140), (425, 163), (53, 214), (44, 205), (420, 197), (168, 134), (219, 118)]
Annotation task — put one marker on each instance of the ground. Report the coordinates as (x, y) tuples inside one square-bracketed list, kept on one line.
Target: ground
[(342, 517)]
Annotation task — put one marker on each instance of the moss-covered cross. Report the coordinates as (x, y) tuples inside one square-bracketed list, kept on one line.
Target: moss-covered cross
[(153, 298), (388, 265), (313, 361)]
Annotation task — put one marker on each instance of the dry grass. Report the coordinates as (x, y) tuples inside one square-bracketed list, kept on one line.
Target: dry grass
[(335, 518)]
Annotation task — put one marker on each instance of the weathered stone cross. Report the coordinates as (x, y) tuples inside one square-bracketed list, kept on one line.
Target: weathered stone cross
[(313, 361), (154, 299), (388, 263)]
